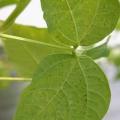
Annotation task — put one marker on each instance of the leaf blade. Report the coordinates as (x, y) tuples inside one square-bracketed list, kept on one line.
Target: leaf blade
[(99, 51), (29, 54), (88, 20), (62, 91)]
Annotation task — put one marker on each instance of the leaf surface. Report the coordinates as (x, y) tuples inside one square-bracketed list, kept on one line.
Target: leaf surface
[(25, 55), (4, 3), (65, 88), (118, 25), (81, 22), (20, 6), (98, 52)]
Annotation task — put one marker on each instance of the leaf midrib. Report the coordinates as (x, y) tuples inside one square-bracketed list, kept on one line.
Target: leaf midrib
[(73, 19), (72, 66), (87, 89), (85, 80), (92, 22)]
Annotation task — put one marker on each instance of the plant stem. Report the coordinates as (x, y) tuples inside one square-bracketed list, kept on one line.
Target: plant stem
[(6, 36), (14, 79)]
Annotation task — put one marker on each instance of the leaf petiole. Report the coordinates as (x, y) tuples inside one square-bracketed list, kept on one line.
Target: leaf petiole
[(82, 49)]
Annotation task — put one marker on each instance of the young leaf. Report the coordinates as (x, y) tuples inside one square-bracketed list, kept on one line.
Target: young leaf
[(81, 22), (25, 55), (65, 88), (10, 20)]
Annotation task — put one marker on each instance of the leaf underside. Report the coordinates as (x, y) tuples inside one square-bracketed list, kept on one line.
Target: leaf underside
[(26, 56), (31, 54), (65, 88), (81, 22)]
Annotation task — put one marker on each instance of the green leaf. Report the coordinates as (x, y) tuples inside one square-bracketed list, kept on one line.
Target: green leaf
[(4, 71), (118, 74), (21, 5), (4, 84), (98, 52), (4, 3), (65, 88), (81, 22), (25, 55), (118, 25), (114, 56)]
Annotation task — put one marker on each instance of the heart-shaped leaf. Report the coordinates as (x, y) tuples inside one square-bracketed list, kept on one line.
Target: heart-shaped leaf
[(81, 22), (66, 88)]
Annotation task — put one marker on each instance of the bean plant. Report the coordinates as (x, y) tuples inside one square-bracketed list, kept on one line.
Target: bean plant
[(67, 84)]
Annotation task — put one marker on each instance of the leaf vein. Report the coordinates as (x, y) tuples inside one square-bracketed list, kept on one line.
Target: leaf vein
[(90, 26), (73, 19)]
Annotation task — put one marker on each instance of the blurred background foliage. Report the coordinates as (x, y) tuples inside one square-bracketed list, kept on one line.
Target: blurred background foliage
[(6, 68), (114, 58)]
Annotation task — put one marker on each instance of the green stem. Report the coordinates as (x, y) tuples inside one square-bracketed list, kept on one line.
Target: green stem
[(6, 36), (81, 49)]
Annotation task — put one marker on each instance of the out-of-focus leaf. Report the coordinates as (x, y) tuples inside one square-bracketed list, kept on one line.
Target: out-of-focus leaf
[(4, 3), (118, 74), (21, 5), (4, 84), (115, 56), (4, 72), (25, 55), (2, 69)]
